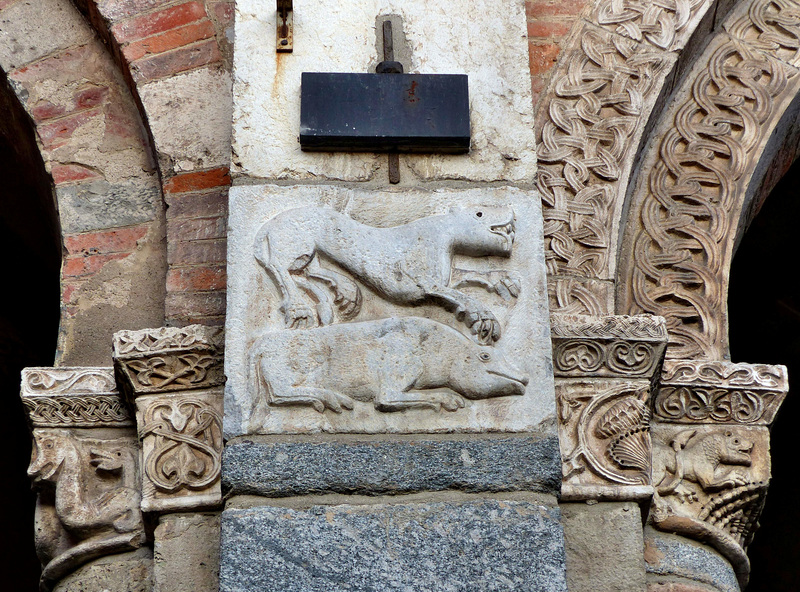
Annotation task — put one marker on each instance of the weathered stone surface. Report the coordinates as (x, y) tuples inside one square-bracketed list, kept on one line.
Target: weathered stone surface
[(165, 373), (477, 546), (378, 467), (84, 468), (177, 104), (671, 555), (604, 547), (333, 37), (125, 572), (186, 548), (99, 204), (608, 346), (25, 21), (447, 300)]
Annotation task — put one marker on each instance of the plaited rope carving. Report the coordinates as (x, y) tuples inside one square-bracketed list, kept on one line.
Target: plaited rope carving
[(686, 217), (79, 411), (658, 22), (595, 108)]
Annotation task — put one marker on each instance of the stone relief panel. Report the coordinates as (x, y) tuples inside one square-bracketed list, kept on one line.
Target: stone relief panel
[(86, 475), (605, 438), (607, 346), (166, 373), (356, 311)]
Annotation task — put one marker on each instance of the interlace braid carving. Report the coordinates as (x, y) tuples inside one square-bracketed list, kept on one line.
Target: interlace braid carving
[(656, 21), (678, 255), (84, 411), (772, 26), (596, 107)]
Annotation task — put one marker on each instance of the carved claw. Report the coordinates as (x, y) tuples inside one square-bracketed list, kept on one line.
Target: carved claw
[(300, 316), (484, 326)]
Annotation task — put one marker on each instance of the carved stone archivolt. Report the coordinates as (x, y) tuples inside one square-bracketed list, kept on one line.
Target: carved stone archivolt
[(711, 465), (86, 476), (173, 376), (607, 346), (604, 416), (691, 194), (589, 124)]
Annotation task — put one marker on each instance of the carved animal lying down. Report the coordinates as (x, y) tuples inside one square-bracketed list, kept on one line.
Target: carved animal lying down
[(397, 363)]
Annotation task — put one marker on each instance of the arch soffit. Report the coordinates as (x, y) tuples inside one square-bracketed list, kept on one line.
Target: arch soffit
[(92, 140)]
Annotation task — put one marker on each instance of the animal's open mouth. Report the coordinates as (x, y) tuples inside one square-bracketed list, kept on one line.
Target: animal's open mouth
[(505, 230), (523, 381)]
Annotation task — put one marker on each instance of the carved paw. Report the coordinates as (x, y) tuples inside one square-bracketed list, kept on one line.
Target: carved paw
[(319, 399), (483, 325), (449, 401), (347, 299), (300, 316)]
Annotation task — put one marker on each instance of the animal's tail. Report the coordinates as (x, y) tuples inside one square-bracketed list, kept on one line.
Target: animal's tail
[(261, 246), (259, 411)]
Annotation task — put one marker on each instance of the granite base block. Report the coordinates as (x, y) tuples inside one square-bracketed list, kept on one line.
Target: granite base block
[(480, 546), (389, 467)]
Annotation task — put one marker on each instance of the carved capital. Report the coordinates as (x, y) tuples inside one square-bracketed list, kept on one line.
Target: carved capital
[(168, 359), (607, 346), (86, 476), (181, 437), (720, 392), (604, 435), (711, 464), (73, 397), (711, 482)]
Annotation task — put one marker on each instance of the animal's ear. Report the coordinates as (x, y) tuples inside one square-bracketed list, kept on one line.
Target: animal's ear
[(682, 439)]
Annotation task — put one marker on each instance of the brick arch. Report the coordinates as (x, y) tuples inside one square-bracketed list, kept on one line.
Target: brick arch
[(176, 57), (717, 150), (94, 147)]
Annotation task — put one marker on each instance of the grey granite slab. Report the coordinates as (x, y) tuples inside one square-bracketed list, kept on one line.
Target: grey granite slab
[(387, 467), (487, 545)]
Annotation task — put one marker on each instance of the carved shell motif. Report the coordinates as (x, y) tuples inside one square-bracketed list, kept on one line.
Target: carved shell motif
[(626, 423)]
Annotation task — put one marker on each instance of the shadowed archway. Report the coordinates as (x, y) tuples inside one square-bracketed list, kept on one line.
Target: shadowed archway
[(30, 241)]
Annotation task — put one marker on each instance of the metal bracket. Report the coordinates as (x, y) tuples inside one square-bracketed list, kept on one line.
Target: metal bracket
[(389, 66), (285, 30)]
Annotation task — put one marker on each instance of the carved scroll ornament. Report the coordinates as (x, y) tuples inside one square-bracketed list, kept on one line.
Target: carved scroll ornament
[(168, 359), (605, 439), (720, 392), (187, 444), (607, 345)]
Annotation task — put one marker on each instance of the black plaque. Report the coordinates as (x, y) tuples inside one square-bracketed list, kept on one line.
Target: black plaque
[(384, 112)]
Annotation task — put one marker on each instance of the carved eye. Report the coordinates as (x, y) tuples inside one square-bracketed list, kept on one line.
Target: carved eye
[(479, 214), (484, 357)]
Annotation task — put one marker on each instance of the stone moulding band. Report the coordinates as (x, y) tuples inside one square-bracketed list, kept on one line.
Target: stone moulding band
[(73, 397), (720, 392)]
